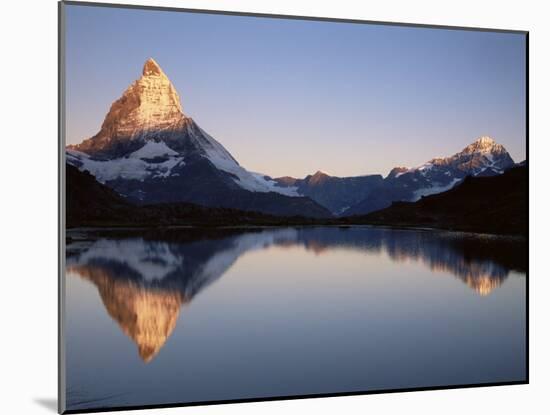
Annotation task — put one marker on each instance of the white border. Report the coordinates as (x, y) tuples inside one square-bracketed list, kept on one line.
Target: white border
[(29, 203)]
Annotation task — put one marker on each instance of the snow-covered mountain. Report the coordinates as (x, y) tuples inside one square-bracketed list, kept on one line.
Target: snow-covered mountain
[(149, 151), (484, 157)]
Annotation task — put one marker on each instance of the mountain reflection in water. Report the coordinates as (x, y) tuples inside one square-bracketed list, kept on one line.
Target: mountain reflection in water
[(144, 278)]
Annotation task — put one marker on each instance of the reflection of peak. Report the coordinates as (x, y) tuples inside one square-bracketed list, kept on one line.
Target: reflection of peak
[(189, 265), (186, 267), (472, 260), (481, 276), (144, 281), (482, 266), (147, 316), (483, 285)]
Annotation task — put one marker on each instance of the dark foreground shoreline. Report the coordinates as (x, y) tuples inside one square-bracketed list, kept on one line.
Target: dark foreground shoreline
[(275, 222), (217, 230)]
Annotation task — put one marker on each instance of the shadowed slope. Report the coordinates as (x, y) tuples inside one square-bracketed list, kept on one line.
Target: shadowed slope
[(496, 204)]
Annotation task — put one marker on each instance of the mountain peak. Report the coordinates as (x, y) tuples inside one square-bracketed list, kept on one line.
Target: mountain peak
[(484, 144), (482, 157), (149, 105), (318, 177), (397, 171), (485, 140), (151, 67)]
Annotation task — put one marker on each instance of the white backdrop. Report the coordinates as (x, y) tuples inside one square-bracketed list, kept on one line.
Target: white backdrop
[(28, 174)]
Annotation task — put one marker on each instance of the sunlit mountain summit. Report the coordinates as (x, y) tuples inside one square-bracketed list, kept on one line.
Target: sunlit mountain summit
[(149, 151)]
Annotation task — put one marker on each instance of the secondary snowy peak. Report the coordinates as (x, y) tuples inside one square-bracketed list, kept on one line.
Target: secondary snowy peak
[(484, 141), (482, 156), (149, 105), (484, 145)]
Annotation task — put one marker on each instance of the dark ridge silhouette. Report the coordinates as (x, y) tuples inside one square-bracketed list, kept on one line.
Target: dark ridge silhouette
[(495, 204), (90, 203)]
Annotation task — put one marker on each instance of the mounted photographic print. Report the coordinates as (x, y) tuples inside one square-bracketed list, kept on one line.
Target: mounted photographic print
[(259, 207)]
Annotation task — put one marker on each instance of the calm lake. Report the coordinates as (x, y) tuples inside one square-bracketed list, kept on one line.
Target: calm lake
[(193, 315)]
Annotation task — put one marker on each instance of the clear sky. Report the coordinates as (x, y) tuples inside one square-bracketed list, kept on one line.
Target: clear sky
[(290, 97)]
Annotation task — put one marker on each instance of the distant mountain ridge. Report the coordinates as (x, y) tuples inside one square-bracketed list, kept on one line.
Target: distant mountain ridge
[(335, 193), (363, 194)]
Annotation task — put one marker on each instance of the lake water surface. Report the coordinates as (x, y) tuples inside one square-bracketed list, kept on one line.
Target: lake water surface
[(194, 315)]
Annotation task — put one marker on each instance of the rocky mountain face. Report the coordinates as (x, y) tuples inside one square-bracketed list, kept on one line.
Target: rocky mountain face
[(335, 193), (150, 108), (149, 151)]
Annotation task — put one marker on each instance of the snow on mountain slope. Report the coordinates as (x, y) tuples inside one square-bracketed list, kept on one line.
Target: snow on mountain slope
[(431, 190), (484, 156), (153, 149), (473, 159), (129, 168), (255, 182)]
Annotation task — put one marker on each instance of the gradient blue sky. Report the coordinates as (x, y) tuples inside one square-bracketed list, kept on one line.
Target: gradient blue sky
[(290, 97)]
